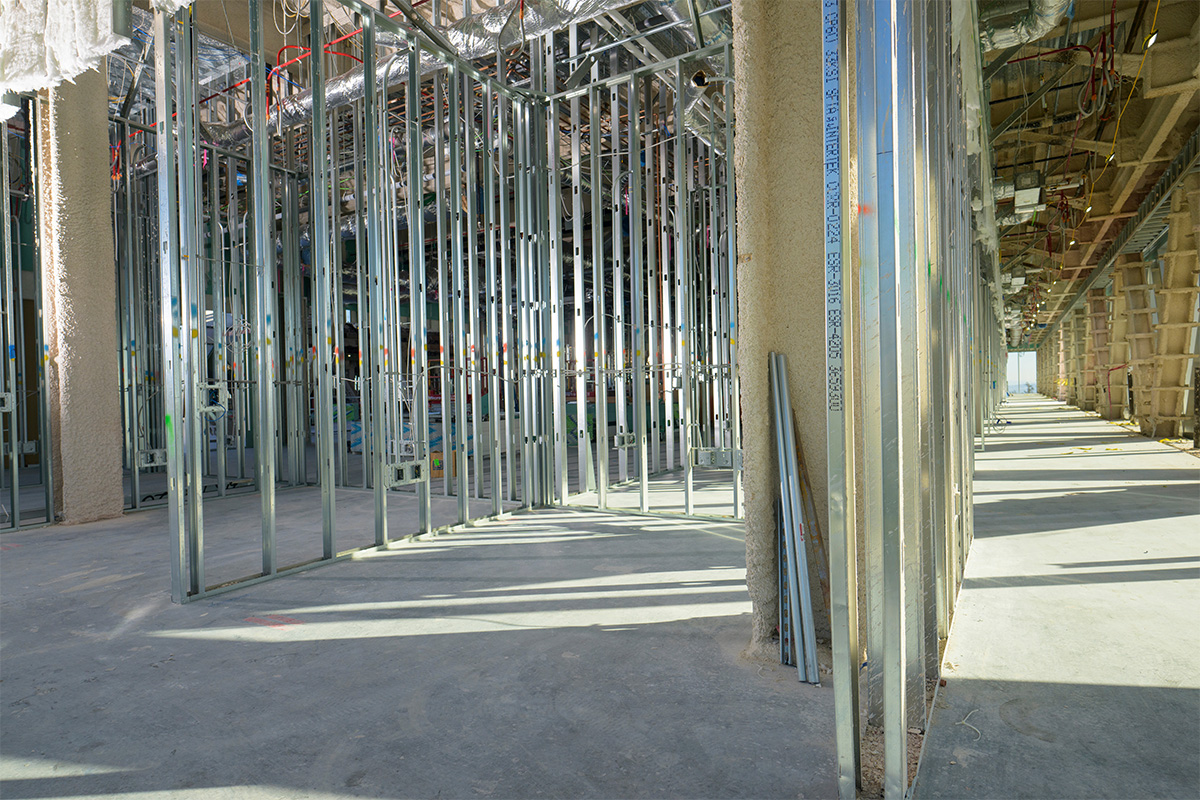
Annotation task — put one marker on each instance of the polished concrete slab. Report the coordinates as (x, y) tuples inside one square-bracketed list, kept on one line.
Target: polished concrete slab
[(559, 653), (1073, 663)]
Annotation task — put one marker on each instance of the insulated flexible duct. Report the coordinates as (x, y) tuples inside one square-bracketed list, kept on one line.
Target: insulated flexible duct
[(698, 90), (1005, 24)]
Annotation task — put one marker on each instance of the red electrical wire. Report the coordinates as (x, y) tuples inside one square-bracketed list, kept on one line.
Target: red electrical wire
[(279, 53), (307, 53)]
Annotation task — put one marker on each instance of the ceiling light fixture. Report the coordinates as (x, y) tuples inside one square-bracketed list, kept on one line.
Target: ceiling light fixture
[(1151, 39), (1088, 210)]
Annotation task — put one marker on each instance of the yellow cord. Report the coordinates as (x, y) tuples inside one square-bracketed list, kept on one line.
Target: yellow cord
[(1117, 130)]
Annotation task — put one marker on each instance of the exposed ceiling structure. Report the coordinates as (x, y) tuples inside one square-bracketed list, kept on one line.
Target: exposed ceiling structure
[(1089, 103), (1085, 120)]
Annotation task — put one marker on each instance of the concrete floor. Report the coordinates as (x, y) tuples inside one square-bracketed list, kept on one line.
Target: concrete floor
[(713, 487), (551, 654), (712, 494), (1073, 664), (233, 526), (31, 497)]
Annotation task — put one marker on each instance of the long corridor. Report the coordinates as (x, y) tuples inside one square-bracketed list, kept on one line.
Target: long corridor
[(1073, 664)]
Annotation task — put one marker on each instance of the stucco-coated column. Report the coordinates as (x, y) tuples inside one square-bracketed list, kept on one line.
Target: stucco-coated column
[(1118, 369), (1095, 329), (79, 298), (1061, 378), (781, 298), (1043, 369), (1079, 336), (1104, 394), (1176, 319), (1140, 336), (1070, 350)]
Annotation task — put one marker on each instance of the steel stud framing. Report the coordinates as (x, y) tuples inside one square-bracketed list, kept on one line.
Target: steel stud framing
[(913, 353), (451, 288)]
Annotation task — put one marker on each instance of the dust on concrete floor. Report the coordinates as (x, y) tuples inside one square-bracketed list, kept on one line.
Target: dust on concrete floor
[(871, 758), (551, 654), (1073, 663)]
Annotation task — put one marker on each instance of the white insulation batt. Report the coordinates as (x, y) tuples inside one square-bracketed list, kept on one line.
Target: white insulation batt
[(46, 42)]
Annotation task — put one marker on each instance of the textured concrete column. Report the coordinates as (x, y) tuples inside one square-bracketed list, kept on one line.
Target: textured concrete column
[(1073, 345), (1081, 352), (1046, 368), (1047, 358), (79, 298), (1176, 303), (1118, 344), (1103, 393), (1054, 362), (1060, 371), (1093, 326), (1073, 365), (1046, 362), (778, 163), (1140, 336)]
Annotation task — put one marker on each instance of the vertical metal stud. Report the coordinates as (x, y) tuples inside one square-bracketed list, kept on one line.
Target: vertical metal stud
[(870, 265), (323, 279), (839, 393), (637, 292), (418, 309), (555, 348), (600, 305), (377, 363), (684, 285), (616, 229), (191, 299), (168, 242), (887, 98), (10, 446), (491, 255), (731, 258)]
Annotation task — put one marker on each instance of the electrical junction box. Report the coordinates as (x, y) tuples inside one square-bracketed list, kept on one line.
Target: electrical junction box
[(718, 457), (1028, 190)]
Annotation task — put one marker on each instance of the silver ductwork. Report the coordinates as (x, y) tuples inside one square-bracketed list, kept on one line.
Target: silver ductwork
[(1018, 217), (698, 91), (1012, 322), (1006, 24), (500, 28), (503, 27)]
